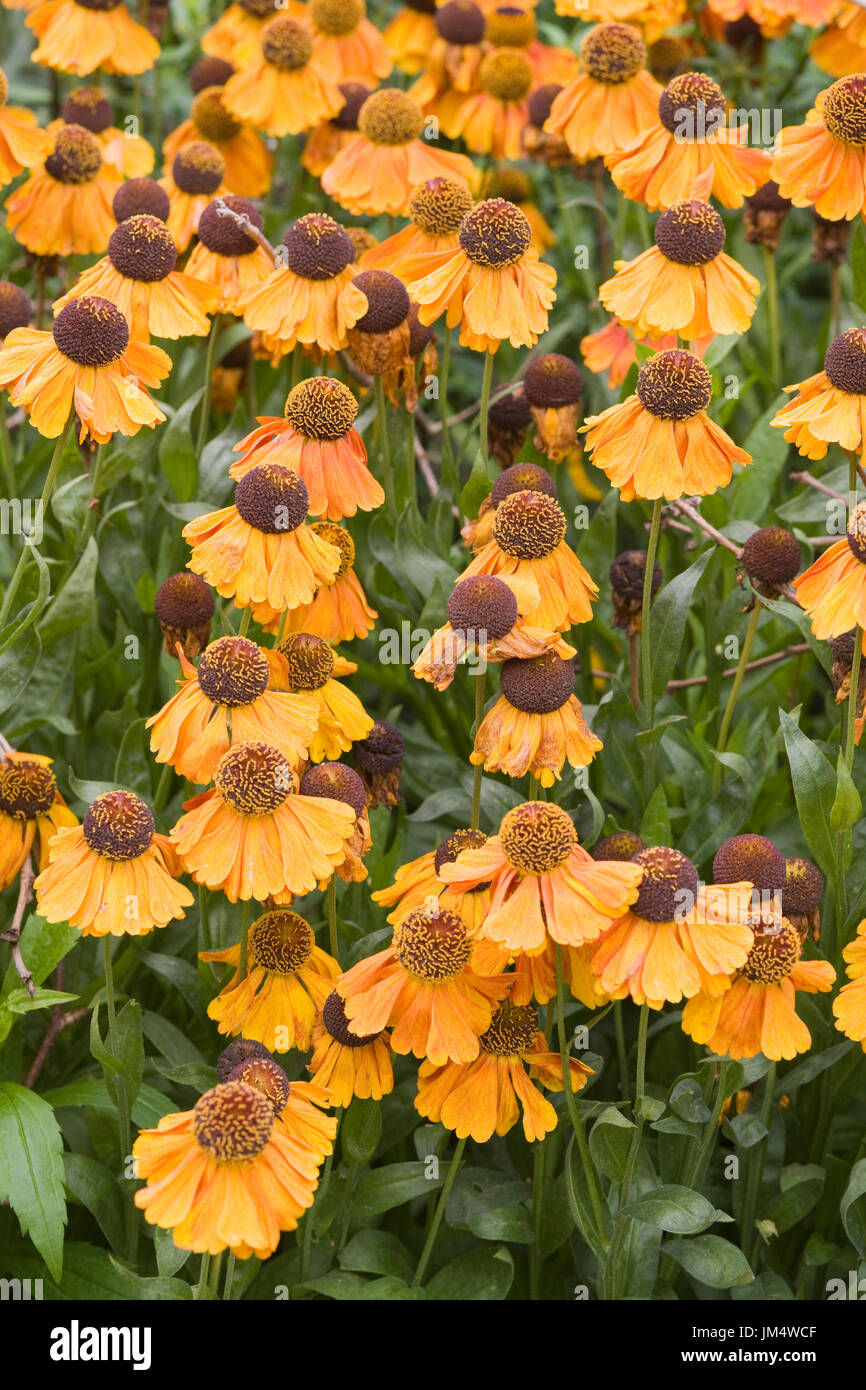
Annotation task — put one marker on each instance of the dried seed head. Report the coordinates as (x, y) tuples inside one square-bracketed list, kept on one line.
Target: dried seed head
[(140, 196), (771, 556), (845, 362), (310, 660), (538, 685), (622, 845), (484, 605), (337, 781), (750, 859)]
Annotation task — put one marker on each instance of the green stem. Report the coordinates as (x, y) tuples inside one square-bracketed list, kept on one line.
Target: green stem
[(245, 932), (203, 1277), (385, 444), (333, 938), (230, 1277), (48, 489), (571, 1105), (450, 478), (204, 917), (535, 1256), (163, 787), (638, 1109), (6, 455), (486, 384), (453, 1170), (756, 1167), (645, 650), (773, 316), (621, 1053), (727, 717), (246, 619), (480, 685), (123, 1095), (204, 418)]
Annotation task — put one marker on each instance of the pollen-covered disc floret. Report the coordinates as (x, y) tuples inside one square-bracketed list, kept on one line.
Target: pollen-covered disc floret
[(845, 362), (222, 234), (844, 110), (310, 660), (75, 158), (522, 477), (669, 886), (184, 600), (336, 18), (460, 22), (495, 234), (233, 1122), (27, 789), (674, 385), (506, 74), (484, 605), (321, 408), (855, 532), (241, 1050), (287, 44), (454, 845), (140, 195), (88, 107), (142, 248), (771, 556), (233, 672), (774, 953), (691, 105), (336, 1023), (622, 845), (253, 778), (432, 946), (118, 826), (337, 781), (91, 331), (339, 538), (804, 886), (272, 499), (613, 53), (538, 684), (751, 859), (387, 298), (211, 118), (513, 1029), (537, 837), (15, 308), (317, 247), (529, 525), (265, 1076), (552, 381), (280, 942), (391, 117), (439, 206), (690, 233), (198, 168)]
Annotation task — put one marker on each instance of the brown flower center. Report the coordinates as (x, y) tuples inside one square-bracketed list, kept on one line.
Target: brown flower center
[(15, 308), (454, 844), (140, 195), (690, 233), (845, 362), (553, 381), (75, 158), (233, 1122), (198, 168), (804, 886), (280, 942), (317, 247), (142, 248), (337, 781), (855, 532), (118, 826), (482, 605), (774, 954), (336, 1023), (253, 778), (439, 206), (209, 71), (669, 886), (336, 18), (222, 234), (528, 525), (321, 408), (27, 789), (510, 27), (212, 119), (184, 600), (771, 555), (265, 1076), (272, 499), (513, 1030), (521, 477), (537, 837), (613, 53), (91, 331), (495, 234), (674, 385), (391, 117), (310, 660), (750, 859), (287, 44), (538, 685), (387, 301), (88, 107), (432, 946), (460, 22), (690, 105), (233, 671), (338, 537)]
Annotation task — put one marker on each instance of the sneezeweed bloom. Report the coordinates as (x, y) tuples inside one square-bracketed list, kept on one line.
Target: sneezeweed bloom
[(613, 350), (288, 980), (660, 442), (113, 874), (492, 120), (685, 283), (316, 437), (508, 182), (347, 46), (259, 551), (347, 1065), (411, 34), (225, 1175), (139, 276), (691, 135), (130, 156), (253, 836), (31, 811), (418, 886), (830, 407), (538, 144), (508, 422), (544, 887), (379, 760), (248, 162), (64, 207), (339, 612), (88, 362), (678, 937), (822, 163), (79, 36), (22, 144), (841, 48), (297, 1105), (197, 176), (801, 896), (343, 783), (553, 388), (436, 209), (484, 625), (424, 988), (833, 589), (454, 58), (613, 101), (763, 216), (305, 663), (485, 1096), (184, 606), (140, 196), (537, 724), (379, 341), (309, 297), (236, 32), (493, 285), (529, 552), (16, 310), (626, 584), (282, 90), (849, 1006), (324, 142), (227, 257), (516, 27), (771, 559), (379, 167), (226, 700), (758, 1014)]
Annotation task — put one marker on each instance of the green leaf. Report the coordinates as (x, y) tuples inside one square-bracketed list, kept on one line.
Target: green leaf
[(801, 1190), (479, 1275), (609, 1143), (814, 789), (491, 1205), (73, 605), (95, 1188), (148, 1110), (668, 617), (43, 945), (169, 1257), (687, 1101), (31, 1170), (769, 450), (711, 1260), (122, 1062), (17, 661), (746, 1130), (177, 451), (858, 266), (676, 1209), (361, 1130), (391, 1186), (655, 826), (852, 1208), (847, 806), (377, 1252)]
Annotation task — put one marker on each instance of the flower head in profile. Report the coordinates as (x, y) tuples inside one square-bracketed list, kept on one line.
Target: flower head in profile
[(324, 142), (613, 100), (833, 589), (79, 36), (660, 442), (196, 177), (613, 349), (89, 362), (233, 38), (113, 874), (16, 309), (411, 34), (348, 47), (142, 195), (822, 163), (342, 783), (226, 257), (309, 297), (553, 387), (849, 1006), (248, 161), (31, 811), (129, 156), (307, 663), (283, 90), (184, 606), (345, 1064), (298, 1106), (830, 407), (418, 884), (22, 143), (64, 207), (492, 119), (379, 760), (537, 724), (339, 611)]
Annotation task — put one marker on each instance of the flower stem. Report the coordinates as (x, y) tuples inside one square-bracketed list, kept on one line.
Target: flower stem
[(480, 685), (385, 443), (204, 418), (453, 1170), (851, 708), (449, 468), (639, 1092), (245, 622), (756, 1166), (535, 1255), (48, 489), (230, 1276), (485, 405), (773, 317), (571, 1105), (621, 1054), (6, 456), (333, 938), (203, 1277), (123, 1095), (645, 649), (245, 932), (727, 717)]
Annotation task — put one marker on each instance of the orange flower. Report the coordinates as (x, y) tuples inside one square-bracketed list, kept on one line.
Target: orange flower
[(87, 362), (485, 1096), (684, 284), (64, 207), (282, 90), (225, 701), (346, 1065), (113, 874), (537, 723), (418, 886), (304, 662), (324, 142), (534, 976), (227, 257), (424, 986), (316, 438), (253, 836), (347, 46), (493, 285), (757, 1014), (22, 143), (543, 886), (660, 442), (691, 136), (30, 806), (259, 550), (287, 981), (512, 26), (678, 938), (248, 162), (309, 297), (613, 350), (298, 1106), (830, 407), (344, 784), (613, 101), (128, 156), (436, 207), (841, 48), (833, 589), (79, 37), (339, 611), (493, 119), (410, 35), (822, 163), (378, 168), (236, 32), (196, 177), (849, 1006)]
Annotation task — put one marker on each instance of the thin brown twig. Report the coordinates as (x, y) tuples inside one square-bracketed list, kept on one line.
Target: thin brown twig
[(797, 650), (12, 935), (818, 486), (686, 509), (59, 1021), (248, 226)]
